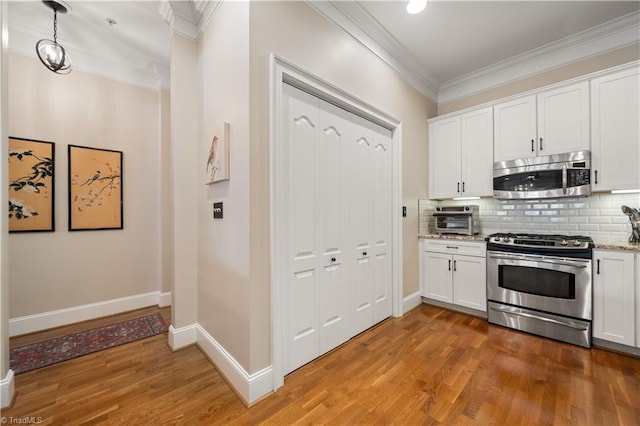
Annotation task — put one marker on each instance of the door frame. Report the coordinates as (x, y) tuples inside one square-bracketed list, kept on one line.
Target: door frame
[(281, 72)]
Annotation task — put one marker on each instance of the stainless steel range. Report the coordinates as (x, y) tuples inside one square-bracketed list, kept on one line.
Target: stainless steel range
[(541, 284)]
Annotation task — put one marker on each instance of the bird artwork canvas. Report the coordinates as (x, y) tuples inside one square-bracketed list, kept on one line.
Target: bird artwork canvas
[(218, 156), (95, 189), (31, 185)]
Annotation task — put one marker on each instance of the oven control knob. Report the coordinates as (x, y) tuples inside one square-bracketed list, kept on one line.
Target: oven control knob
[(576, 243), (564, 243), (506, 239)]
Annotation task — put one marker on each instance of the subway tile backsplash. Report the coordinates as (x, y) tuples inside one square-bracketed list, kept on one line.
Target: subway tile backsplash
[(598, 216)]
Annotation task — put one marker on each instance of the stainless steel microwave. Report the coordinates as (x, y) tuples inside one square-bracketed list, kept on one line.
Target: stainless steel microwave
[(553, 176), (456, 220)]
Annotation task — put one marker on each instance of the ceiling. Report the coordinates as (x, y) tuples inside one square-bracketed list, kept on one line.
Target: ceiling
[(439, 51)]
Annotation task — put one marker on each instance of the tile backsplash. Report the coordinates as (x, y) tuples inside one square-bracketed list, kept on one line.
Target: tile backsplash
[(598, 216)]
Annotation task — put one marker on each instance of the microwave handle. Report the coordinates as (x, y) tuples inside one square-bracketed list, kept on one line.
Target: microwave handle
[(564, 178)]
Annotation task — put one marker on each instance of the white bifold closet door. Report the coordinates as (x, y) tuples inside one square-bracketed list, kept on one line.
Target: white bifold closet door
[(339, 226)]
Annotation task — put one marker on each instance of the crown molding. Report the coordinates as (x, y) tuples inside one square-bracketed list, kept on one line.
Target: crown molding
[(598, 40), (144, 72), (377, 40), (188, 18), (355, 21)]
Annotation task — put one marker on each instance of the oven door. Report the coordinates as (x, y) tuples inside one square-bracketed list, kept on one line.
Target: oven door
[(552, 284)]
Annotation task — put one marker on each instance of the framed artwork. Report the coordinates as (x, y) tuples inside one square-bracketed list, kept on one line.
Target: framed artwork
[(95, 189), (218, 158), (31, 185)]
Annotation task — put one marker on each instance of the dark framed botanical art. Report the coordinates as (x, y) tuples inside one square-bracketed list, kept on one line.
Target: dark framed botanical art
[(31, 185), (95, 189)]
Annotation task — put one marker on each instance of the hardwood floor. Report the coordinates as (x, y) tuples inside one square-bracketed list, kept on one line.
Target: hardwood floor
[(432, 366)]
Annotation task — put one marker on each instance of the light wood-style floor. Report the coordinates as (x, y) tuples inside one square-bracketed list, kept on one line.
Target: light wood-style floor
[(432, 366)]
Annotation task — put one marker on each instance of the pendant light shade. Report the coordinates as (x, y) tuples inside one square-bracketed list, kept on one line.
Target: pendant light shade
[(50, 52)]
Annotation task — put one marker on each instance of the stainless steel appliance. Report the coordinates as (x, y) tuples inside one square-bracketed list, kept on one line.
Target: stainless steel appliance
[(560, 175), (456, 220), (541, 284)]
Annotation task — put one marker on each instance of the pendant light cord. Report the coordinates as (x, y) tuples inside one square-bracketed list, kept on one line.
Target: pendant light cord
[(55, 26)]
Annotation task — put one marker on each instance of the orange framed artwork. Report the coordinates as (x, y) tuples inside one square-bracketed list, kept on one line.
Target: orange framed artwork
[(31, 185), (95, 189)]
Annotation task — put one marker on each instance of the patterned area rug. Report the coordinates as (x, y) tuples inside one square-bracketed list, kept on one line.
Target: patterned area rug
[(42, 354)]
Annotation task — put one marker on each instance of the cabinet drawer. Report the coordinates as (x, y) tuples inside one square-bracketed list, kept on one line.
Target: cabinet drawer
[(469, 248)]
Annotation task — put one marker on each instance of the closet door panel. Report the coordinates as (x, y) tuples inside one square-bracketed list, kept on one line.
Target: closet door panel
[(334, 306), (302, 333), (381, 258)]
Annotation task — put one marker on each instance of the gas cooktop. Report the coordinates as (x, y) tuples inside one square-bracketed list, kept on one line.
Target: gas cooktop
[(573, 242)]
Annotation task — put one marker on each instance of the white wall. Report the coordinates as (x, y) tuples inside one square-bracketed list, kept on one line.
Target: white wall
[(62, 269), (6, 376), (223, 244), (296, 33)]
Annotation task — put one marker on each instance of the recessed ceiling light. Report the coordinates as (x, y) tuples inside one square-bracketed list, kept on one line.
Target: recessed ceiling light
[(416, 6)]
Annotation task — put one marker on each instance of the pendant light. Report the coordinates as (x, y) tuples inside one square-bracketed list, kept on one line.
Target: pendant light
[(50, 52)]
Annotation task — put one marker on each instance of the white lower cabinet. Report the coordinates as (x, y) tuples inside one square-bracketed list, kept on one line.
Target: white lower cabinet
[(454, 272), (614, 300)]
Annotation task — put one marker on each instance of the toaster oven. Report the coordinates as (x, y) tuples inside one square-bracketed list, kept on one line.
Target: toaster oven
[(456, 220)]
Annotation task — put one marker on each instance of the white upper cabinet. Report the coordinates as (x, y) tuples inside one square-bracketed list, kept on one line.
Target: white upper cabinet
[(615, 131), (550, 122), (515, 129), (460, 155), (563, 119), (477, 153), (444, 158)]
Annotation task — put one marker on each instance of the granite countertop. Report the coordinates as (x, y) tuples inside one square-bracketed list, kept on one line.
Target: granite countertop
[(477, 237), (618, 245), (611, 245)]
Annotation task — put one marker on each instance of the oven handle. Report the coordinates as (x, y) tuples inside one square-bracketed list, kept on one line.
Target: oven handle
[(551, 320), (539, 259)]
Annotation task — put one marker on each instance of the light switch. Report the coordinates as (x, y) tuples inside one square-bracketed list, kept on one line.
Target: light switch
[(217, 210)]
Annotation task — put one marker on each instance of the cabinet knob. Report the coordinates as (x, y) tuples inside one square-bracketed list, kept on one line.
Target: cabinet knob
[(598, 267), (596, 175), (454, 265), (458, 187), (364, 253), (462, 186), (532, 145), (540, 144), (449, 264), (333, 259)]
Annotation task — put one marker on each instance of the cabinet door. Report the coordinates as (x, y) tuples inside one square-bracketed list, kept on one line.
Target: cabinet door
[(444, 158), (437, 276), (615, 131), (477, 153), (563, 119), (470, 282), (614, 299), (515, 129)]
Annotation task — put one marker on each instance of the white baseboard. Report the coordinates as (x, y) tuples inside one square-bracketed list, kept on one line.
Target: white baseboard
[(46, 320), (7, 388), (411, 301), (164, 299), (183, 336), (250, 387)]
